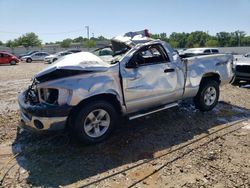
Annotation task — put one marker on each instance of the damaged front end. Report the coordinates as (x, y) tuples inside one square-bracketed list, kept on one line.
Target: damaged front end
[(42, 108), (46, 104)]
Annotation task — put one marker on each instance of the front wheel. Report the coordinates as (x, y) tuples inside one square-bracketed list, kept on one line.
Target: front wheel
[(54, 60), (29, 60), (94, 122), (207, 96), (12, 62)]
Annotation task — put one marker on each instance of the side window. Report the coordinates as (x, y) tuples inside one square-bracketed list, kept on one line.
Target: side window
[(5, 55), (215, 51), (152, 54), (207, 51), (1, 55)]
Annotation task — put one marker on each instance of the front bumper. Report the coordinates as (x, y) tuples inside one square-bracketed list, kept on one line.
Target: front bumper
[(242, 76), (42, 116), (48, 60)]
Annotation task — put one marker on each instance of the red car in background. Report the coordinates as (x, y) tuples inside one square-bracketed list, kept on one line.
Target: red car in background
[(7, 58)]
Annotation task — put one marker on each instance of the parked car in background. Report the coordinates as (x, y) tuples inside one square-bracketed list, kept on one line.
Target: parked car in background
[(53, 57), (27, 54), (247, 55), (7, 58), (74, 50), (191, 52), (241, 69), (37, 56)]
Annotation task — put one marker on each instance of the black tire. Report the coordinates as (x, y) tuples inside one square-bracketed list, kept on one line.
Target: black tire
[(201, 101), (235, 81), (29, 60), (78, 126), (54, 60), (12, 62)]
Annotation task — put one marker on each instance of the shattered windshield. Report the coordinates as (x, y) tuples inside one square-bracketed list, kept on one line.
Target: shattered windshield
[(107, 55)]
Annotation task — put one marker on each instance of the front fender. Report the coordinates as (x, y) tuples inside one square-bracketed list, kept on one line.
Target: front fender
[(87, 85)]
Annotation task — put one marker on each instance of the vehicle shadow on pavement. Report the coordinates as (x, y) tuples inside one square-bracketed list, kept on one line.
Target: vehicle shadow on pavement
[(56, 159)]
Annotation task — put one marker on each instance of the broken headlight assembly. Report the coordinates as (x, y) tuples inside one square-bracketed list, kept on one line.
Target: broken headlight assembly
[(54, 96)]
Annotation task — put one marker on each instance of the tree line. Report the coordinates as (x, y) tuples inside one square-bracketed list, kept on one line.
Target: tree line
[(176, 40), (32, 40), (203, 39)]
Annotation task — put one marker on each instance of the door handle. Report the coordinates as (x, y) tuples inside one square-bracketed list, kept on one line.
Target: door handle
[(168, 70), (134, 78)]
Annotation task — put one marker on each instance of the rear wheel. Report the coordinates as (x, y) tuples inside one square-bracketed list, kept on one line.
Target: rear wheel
[(12, 62), (29, 60), (94, 122), (207, 96)]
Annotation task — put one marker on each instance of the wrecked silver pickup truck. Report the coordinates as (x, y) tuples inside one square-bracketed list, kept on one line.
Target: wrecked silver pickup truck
[(87, 95)]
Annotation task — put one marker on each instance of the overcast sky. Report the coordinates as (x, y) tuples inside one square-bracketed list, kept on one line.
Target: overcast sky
[(55, 20)]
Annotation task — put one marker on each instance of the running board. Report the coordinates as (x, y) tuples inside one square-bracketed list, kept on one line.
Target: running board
[(153, 111)]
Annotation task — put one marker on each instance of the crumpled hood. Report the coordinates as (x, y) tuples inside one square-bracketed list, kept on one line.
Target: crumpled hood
[(74, 63)]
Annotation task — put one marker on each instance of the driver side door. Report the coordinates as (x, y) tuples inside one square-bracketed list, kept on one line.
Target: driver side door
[(149, 79)]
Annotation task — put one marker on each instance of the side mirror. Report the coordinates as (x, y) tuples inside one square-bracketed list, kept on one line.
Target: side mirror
[(132, 65)]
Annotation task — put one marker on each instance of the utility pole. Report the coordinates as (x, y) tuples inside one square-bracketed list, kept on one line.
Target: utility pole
[(239, 34), (87, 27), (238, 37), (207, 37)]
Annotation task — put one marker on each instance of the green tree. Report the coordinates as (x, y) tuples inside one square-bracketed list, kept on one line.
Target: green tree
[(9, 43), (90, 44), (101, 38), (174, 44), (240, 35), (179, 39), (197, 39), (28, 40), (212, 43), (66, 43), (79, 39), (155, 36), (245, 41), (12, 44), (233, 40), (1, 43), (223, 38), (190, 41)]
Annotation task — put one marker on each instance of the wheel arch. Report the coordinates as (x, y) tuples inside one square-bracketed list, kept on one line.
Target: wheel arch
[(27, 60), (111, 98), (13, 60), (211, 76)]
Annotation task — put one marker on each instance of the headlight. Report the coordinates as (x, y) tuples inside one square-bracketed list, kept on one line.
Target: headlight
[(49, 95), (54, 96)]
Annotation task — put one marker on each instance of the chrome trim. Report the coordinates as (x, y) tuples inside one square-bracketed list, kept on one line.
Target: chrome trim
[(49, 123), (154, 111)]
